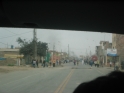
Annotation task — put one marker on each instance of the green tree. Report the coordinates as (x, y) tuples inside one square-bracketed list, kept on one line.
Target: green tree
[(27, 48), (41, 49)]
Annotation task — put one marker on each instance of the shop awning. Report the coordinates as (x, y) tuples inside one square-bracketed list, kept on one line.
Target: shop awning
[(2, 58), (113, 55)]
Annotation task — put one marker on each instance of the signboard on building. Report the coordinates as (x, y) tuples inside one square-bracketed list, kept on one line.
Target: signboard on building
[(13, 56), (112, 51), (2, 58)]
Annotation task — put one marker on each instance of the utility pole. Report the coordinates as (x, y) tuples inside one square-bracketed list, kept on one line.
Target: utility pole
[(86, 53), (104, 50), (61, 55), (68, 51), (35, 44), (90, 53), (53, 50), (7, 45)]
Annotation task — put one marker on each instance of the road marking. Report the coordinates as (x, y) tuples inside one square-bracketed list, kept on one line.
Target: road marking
[(64, 83)]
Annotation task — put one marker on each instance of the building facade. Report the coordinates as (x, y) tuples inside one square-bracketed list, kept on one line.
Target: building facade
[(113, 41), (8, 51), (118, 43)]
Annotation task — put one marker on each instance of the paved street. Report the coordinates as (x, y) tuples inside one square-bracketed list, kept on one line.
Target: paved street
[(49, 80)]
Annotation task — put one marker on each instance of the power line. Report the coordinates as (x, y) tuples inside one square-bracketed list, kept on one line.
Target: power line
[(4, 43), (12, 32), (9, 31), (15, 35)]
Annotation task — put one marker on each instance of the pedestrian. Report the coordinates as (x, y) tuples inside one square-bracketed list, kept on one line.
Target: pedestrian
[(91, 63), (44, 63), (54, 63), (117, 66), (103, 64), (37, 62), (74, 62), (50, 63), (65, 61), (110, 63), (57, 62), (85, 62), (77, 62), (97, 63), (82, 62), (34, 63)]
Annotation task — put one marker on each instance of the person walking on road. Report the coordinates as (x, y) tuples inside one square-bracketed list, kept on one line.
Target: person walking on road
[(74, 62), (82, 62), (110, 63), (57, 62), (37, 63), (54, 63), (34, 63), (50, 63), (97, 63), (44, 63), (117, 66), (77, 62), (91, 63), (60, 62)]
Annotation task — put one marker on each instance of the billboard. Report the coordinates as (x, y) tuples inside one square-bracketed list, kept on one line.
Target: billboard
[(111, 51)]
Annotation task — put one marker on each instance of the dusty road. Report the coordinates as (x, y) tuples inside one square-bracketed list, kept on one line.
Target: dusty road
[(49, 80)]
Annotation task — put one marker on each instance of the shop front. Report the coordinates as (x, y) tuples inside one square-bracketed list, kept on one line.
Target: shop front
[(112, 57)]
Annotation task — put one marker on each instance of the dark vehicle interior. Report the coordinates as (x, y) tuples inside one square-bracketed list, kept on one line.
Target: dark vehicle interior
[(88, 16), (79, 16)]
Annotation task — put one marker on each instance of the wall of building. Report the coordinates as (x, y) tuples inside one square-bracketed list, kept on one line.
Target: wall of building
[(8, 51), (113, 41), (120, 45), (107, 45)]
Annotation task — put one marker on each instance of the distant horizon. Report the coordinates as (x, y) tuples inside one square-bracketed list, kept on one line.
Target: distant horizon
[(79, 41)]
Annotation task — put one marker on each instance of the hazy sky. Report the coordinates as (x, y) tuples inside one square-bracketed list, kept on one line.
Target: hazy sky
[(79, 41)]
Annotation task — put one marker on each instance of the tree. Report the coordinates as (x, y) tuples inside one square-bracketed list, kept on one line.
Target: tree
[(27, 48), (41, 49)]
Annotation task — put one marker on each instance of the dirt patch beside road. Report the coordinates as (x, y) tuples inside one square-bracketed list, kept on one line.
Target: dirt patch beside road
[(7, 69)]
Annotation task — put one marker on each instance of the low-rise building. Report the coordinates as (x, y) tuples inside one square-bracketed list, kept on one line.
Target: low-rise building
[(8, 51), (118, 43), (101, 51)]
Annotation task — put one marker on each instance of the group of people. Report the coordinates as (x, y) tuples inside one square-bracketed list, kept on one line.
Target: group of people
[(76, 62), (35, 63), (46, 64), (97, 63), (91, 63)]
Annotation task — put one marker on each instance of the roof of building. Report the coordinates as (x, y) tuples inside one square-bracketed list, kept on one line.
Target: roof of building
[(8, 49), (103, 41)]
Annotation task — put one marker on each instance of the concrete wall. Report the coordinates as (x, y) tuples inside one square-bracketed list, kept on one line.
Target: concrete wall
[(4, 51), (120, 45), (99, 51), (114, 41)]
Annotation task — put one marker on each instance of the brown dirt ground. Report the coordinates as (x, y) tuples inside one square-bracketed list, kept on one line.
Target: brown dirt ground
[(7, 62), (7, 69)]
